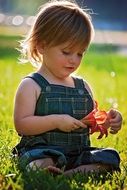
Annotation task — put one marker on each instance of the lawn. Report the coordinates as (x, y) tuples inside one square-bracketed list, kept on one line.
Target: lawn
[(106, 72)]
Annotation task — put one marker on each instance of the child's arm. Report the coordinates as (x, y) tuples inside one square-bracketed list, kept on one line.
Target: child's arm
[(28, 124)]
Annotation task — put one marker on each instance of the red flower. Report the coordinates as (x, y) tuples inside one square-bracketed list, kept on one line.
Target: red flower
[(95, 120)]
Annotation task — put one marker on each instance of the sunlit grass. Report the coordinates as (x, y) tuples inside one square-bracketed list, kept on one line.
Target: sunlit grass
[(106, 73)]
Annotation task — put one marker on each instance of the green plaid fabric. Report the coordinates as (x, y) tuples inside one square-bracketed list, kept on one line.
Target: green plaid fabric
[(57, 99)]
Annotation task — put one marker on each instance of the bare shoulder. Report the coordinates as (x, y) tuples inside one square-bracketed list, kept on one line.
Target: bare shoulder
[(28, 87), (26, 97), (27, 94)]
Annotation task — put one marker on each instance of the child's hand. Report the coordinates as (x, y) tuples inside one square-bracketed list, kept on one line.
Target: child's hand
[(67, 123), (115, 121)]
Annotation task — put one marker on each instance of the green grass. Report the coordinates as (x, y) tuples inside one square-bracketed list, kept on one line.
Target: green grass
[(106, 72)]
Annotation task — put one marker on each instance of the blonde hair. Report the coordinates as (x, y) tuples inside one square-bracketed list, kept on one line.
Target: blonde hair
[(58, 22)]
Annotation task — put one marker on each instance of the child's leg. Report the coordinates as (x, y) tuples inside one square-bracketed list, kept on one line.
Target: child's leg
[(50, 166), (44, 163), (89, 168), (41, 163)]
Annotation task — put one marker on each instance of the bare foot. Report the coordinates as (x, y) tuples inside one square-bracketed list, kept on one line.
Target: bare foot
[(54, 170)]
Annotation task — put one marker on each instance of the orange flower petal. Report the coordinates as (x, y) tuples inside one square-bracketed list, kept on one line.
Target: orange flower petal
[(100, 117)]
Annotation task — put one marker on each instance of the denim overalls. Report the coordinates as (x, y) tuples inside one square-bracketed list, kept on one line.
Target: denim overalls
[(67, 149)]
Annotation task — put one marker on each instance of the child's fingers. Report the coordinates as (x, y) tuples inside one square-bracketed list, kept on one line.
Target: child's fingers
[(113, 131), (79, 124), (116, 126), (115, 120)]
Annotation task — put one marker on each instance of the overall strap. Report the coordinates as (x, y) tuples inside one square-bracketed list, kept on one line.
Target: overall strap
[(79, 83), (39, 79)]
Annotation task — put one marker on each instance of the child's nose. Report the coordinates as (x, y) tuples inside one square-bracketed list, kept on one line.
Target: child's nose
[(73, 59)]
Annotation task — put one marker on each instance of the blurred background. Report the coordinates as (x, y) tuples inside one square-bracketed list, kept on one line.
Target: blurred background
[(109, 18), (108, 14)]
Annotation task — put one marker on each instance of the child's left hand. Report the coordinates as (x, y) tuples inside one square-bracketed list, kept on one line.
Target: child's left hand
[(115, 121), (102, 121)]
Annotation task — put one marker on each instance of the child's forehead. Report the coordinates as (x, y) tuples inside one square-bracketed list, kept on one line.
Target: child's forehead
[(74, 47)]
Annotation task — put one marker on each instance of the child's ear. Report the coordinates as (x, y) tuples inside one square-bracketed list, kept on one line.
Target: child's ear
[(41, 46)]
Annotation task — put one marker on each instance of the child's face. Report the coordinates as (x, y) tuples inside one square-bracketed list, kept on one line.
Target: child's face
[(61, 60)]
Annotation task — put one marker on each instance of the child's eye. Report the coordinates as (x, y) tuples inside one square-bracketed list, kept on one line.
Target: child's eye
[(66, 52)]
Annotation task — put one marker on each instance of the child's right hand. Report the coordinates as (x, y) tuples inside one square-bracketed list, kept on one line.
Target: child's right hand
[(67, 123)]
